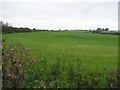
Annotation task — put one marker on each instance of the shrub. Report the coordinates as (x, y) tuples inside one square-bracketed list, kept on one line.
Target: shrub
[(16, 62)]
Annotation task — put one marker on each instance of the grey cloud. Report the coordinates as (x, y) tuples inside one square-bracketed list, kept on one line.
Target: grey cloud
[(52, 13)]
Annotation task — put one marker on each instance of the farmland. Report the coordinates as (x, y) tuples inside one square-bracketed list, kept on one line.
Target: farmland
[(94, 52)]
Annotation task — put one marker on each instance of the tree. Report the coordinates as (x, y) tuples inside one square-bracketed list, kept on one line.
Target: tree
[(98, 29), (34, 29), (106, 29), (103, 29)]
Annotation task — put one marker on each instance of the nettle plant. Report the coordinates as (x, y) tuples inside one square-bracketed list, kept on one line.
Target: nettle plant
[(16, 63)]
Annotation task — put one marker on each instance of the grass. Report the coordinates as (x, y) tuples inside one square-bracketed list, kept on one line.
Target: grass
[(96, 52)]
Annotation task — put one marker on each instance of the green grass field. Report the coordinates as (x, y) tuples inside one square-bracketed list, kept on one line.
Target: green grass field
[(95, 51)]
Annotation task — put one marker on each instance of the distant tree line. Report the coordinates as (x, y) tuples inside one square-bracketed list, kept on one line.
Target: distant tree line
[(100, 30), (7, 28), (104, 31)]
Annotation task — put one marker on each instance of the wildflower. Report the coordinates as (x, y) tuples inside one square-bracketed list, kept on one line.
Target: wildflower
[(111, 85), (11, 49), (1, 46), (26, 49)]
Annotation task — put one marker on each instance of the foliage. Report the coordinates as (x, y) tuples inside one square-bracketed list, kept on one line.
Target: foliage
[(16, 63), (74, 77), (7, 28), (113, 78)]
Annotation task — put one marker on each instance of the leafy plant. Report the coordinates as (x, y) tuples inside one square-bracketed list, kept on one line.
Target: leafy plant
[(16, 63)]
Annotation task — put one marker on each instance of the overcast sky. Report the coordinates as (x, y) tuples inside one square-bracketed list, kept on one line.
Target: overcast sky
[(61, 14)]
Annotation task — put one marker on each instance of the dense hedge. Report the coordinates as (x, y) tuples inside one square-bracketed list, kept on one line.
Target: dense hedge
[(7, 28), (15, 30)]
